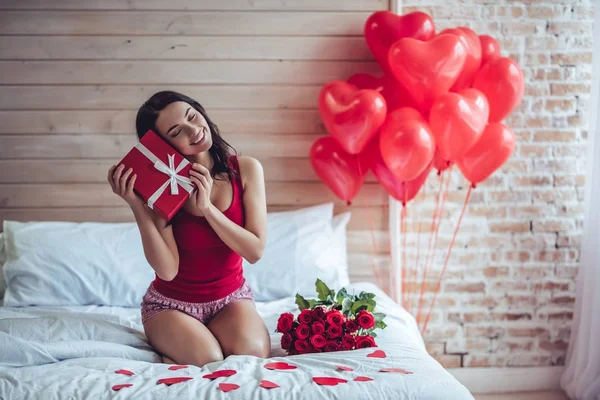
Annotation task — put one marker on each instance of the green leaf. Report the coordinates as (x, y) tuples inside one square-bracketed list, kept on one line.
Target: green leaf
[(373, 334), (381, 325), (312, 303), (341, 295), (322, 290), (332, 295), (359, 305), (346, 305), (301, 302), (378, 316), (371, 305), (366, 296)]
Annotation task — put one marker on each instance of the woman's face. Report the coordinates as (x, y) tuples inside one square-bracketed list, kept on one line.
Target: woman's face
[(184, 128)]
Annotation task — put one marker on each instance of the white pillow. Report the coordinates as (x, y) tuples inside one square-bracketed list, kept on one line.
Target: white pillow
[(296, 253), (65, 263), (340, 265)]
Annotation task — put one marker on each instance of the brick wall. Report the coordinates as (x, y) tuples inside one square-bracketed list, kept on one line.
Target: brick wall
[(508, 296)]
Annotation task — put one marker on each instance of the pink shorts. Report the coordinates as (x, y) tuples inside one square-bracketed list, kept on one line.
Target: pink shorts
[(154, 303)]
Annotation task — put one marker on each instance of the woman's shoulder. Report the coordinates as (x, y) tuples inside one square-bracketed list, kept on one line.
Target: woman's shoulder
[(250, 169)]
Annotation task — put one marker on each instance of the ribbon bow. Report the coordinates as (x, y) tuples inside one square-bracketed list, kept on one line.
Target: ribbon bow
[(175, 180)]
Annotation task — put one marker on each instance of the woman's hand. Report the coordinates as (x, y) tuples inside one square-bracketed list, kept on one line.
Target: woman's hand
[(122, 185), (200, 176)]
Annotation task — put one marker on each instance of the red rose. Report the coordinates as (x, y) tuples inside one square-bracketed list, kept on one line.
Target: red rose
[(285, 322), (306, 316), (286, 341), (334, 331), (302, 331), (331, 346), (348, 341), (351, 326), (365, 341), (334, 317), (318, 341), (365, 319), (318, 328), (302, 346), (319, 314)]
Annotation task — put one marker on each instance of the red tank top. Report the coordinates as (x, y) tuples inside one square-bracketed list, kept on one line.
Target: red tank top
[(208, 269)]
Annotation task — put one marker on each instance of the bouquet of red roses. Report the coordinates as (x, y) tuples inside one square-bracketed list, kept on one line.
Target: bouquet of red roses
[(333, 322)]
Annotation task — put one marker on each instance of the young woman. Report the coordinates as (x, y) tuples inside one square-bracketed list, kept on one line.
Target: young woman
[(199, 308)]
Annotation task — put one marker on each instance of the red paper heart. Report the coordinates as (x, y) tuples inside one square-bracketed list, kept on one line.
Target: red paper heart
[(395, 95), (220, 374), (124, 372), (342, 368), (228, 387), (280, 366), (501, 81), (121, 386), (172, 381), (473, 62), (377, 354), (351, 116), (398, 370), (384, 28), (363, 379), (177, 367), (495, 146), (406, 144), (457, 121), (339, 170), (328, 381), (428, 69), (268, 384)]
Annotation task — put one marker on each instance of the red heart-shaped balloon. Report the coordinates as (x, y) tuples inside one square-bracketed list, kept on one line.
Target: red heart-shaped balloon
[(470, 41), (502, 82), (228, 387), (350, 115), (398, 189), (339, 170), (406, 144), (384, 28), (490, 49), (438, 162), (279, 366), (395, 95), (457, 121), (328, 381), (428, 69), (491, 151)]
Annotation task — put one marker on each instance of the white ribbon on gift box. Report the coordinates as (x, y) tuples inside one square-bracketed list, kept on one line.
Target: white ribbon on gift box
[(175, 180)]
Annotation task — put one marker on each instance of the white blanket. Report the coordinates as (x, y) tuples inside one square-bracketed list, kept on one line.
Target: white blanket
[(72, 352)]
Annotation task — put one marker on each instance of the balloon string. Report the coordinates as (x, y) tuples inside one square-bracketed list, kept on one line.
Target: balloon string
[(439, 283), (415, 216), (430, 245), (404, 273), (375, 252)]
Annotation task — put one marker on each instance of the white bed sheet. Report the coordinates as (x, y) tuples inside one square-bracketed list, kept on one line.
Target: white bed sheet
[(79, 348)]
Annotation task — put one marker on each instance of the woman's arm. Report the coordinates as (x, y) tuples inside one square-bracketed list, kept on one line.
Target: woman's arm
[(248, 241), (159, 243)]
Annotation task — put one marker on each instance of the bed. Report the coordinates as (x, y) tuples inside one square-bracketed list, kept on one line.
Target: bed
[(68, 344)]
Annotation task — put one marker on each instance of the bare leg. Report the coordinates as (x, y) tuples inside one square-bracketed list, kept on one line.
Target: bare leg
[(182, 339), (240, 330)]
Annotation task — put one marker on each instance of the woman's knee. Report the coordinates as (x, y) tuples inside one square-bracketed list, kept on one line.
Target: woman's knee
[(256, 346), (201, 357)]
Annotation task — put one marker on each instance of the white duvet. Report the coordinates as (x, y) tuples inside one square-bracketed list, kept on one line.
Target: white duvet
[(73, 353)]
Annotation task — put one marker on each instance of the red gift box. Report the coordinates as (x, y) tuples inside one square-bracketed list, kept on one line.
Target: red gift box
[(162, 174)]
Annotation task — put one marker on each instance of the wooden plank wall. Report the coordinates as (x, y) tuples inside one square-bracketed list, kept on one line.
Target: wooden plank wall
[(73, 73)]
